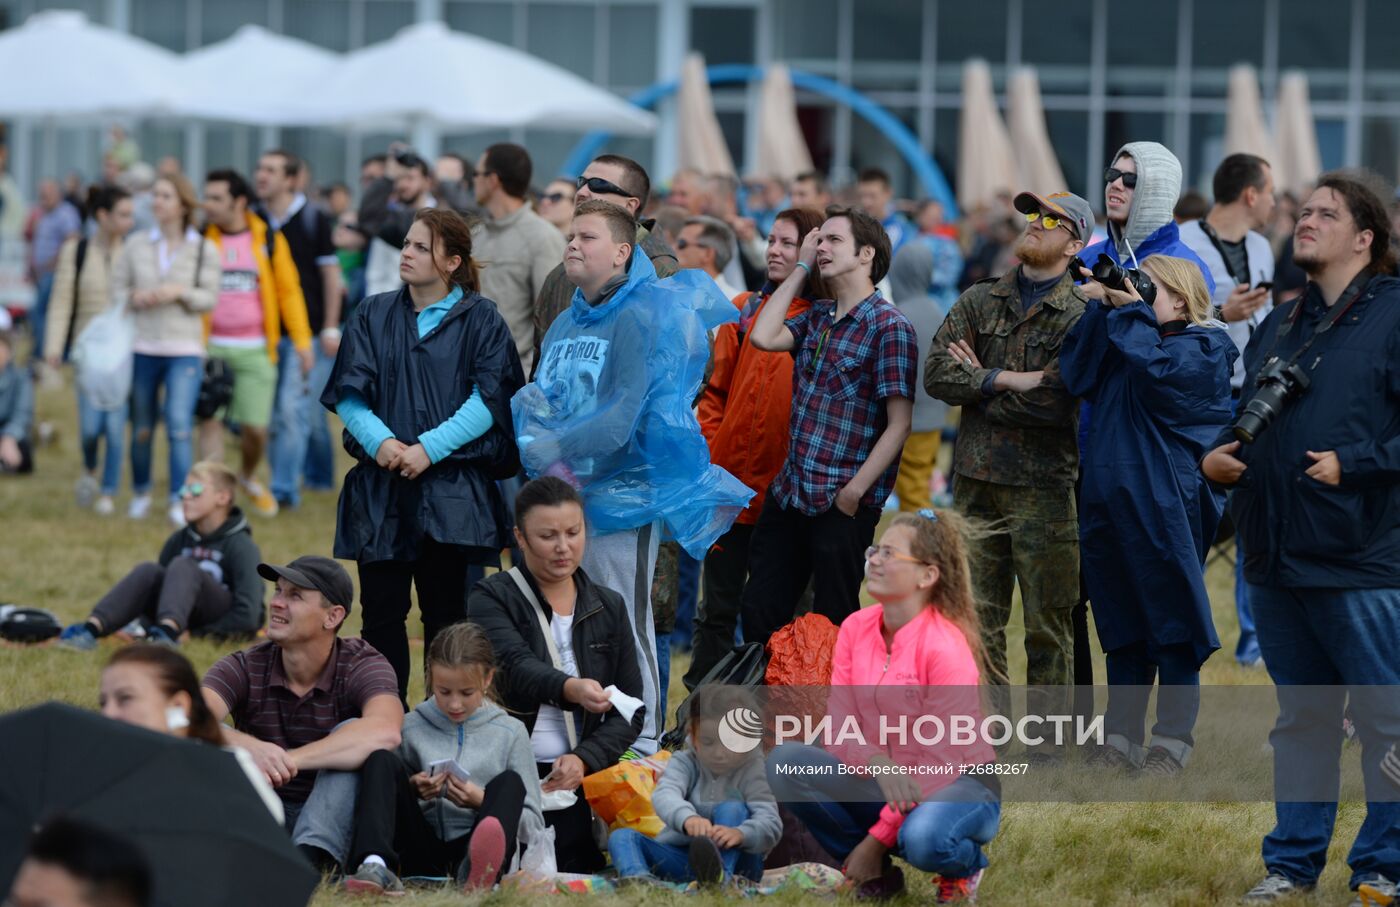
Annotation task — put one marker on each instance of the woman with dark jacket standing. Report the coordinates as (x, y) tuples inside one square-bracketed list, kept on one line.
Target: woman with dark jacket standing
[(560, 641), (423, 382)]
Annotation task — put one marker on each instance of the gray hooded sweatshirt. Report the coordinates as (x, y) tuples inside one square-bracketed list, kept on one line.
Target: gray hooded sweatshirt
[(1158, 187), (489, 742), (687, 788)]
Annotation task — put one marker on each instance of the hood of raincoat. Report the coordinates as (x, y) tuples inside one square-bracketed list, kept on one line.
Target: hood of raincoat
[(1158, 187)]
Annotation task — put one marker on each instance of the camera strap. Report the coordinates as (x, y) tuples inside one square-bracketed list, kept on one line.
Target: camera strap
[(1339, 309), (1219, 244)]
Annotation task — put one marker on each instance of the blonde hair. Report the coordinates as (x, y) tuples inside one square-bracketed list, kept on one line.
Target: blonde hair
[(942, 541), (217, 474), (1183, 279), (462, 645), (184, 190)]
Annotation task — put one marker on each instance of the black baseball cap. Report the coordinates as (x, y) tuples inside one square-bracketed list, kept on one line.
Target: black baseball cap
[(311, 571)]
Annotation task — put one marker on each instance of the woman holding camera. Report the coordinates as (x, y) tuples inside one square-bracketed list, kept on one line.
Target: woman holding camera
[(1157, 373)]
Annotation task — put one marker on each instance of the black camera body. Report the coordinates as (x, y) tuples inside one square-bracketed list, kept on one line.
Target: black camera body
[(1116, 277), (1279, 382)]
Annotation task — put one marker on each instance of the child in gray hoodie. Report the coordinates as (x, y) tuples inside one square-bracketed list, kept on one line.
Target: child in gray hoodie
[(459, 788), (721, 819)]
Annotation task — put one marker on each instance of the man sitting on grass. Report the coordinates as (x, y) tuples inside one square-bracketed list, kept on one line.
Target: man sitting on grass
[(308, 706), (205, 580)]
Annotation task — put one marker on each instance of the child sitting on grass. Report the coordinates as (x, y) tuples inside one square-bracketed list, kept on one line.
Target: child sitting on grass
[(426, 819), (16, 410), (720, 816), (205, 580)]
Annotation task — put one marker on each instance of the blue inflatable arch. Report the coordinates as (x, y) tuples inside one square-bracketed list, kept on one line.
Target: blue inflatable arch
[(925, 170)]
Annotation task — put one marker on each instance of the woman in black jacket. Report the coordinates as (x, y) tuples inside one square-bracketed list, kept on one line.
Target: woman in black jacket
[(555, 683), (423, 382)]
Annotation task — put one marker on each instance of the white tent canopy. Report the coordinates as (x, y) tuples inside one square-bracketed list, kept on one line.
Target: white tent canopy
[(1039, 169), (277, 79), (1298, 163), (701, 144), (428, 75), (58, 64), (782, 148), (1244, 116), (986, 160)]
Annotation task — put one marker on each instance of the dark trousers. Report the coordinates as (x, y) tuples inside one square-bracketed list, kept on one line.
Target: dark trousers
[(1131, 672), (1083, 654), (389, 819), (725, 570), (440, 577), (181, 594), (789, 548), (575, 849)]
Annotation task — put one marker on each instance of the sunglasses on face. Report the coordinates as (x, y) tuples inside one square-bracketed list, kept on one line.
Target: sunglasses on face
[(599, 186), (1129, 178), (191, 490), (553, 198), (1048, 221)]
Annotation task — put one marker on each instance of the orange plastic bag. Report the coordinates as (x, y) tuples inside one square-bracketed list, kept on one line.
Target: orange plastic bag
[(799, 654), (621, 794)]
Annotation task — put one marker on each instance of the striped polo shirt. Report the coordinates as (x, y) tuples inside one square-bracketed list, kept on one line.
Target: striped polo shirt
[(254, 686)]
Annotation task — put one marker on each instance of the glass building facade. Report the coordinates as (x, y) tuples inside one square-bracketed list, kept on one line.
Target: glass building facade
[(1109, 72)]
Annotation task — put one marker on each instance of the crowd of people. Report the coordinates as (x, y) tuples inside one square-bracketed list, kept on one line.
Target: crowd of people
[(694, 408)]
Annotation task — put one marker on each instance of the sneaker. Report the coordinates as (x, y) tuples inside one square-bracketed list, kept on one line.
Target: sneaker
[(889, 885), (374, 878), (160, 635), (1161, 762), (105, 506), (486, 855), (132, 632), (1377, 892), (705, 862), (176, 515), (139, 507), (958, 890), (86, 491), (1275, 887), (259, 498), (1107, 756), (77, 638)]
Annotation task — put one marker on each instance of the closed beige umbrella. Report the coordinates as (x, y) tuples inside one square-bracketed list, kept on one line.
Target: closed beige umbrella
[(1039, 169), (1298, 162), (1244, 116), (701, 144), (986, 162), (782, 149)]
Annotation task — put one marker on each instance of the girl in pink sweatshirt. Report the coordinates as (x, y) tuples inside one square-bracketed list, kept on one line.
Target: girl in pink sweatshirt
[(922, 632)]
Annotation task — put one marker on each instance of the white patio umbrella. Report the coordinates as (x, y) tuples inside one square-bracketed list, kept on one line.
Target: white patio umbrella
[(700, 144), (277, 79), (1039, 169), (58, 65), (986, 161), (1298, 162), (1244, 115), (782, 148), (429, 75)]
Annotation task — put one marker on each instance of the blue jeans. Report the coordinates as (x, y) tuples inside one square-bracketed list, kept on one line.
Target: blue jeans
[(1131, 673), (181, 377), (1345, 640), (1247, 649), (943, 834), (291, 426), (687, 598), (319, 471), (634, 854), (39, 314), (94, 425)]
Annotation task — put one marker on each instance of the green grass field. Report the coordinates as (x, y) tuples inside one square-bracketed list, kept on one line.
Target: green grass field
[(63, 559)]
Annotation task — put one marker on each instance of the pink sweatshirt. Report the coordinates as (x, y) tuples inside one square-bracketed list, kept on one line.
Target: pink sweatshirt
[(929, 651)]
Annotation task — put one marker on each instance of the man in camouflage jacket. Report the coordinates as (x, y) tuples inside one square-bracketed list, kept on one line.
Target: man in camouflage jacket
[(1016, 460)]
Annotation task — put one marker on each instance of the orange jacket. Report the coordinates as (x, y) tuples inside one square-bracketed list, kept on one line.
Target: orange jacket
[(745, 410)]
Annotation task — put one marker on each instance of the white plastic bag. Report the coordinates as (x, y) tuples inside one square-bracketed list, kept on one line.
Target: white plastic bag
[(539, 854), (103, 359)]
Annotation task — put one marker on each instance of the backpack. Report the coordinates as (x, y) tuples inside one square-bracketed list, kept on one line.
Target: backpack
[(744, 666), (27, 625)]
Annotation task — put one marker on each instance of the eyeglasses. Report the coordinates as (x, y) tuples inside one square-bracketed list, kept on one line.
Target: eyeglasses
[(191, 490), (1129, 178), (553, 198), (1048, 221), (886, 553), (599, 186), (682, 243)]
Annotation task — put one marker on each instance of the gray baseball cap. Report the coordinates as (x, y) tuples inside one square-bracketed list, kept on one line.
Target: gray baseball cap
[(1075, 210)]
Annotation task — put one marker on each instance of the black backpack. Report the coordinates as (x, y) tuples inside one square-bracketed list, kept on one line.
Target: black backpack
[(27, 625), (743, 666)]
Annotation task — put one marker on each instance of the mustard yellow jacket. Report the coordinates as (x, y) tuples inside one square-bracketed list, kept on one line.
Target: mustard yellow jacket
[(280, 286)]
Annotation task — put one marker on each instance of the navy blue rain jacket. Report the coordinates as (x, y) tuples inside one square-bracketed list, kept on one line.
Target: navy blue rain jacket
[(1147, 517), (414, 385), (1296, 531)]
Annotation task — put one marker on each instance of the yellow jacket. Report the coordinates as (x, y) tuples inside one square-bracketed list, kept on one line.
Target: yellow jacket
[(280, 286)]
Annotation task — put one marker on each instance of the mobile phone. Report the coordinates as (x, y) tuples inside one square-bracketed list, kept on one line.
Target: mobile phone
[(1264, 285)]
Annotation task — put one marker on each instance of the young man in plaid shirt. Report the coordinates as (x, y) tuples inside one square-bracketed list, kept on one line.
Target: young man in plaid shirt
[(853, 391)]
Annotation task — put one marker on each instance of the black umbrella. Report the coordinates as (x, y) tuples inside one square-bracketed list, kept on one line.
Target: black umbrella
[(187, 805)]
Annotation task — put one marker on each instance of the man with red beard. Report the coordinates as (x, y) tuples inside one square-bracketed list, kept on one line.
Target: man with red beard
[(996, 356)]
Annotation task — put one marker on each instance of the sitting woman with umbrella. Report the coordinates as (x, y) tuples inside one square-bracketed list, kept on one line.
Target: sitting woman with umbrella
[(1157, 372)]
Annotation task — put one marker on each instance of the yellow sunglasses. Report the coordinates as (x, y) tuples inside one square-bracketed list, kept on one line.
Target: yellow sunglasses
[(1048, 221)]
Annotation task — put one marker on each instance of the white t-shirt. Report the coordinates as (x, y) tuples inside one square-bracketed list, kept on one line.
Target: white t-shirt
[(550, 739)]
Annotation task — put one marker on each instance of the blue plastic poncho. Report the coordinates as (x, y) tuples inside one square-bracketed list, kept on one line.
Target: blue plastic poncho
[(611, 408)]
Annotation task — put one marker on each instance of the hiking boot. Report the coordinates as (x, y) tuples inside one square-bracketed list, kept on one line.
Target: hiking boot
[(1377, 892), (1160, 762), (1107, 756), (374, 878), (889, 884), (958, 890), (139, 507), (1275, 887), (86, 491), (161, 635), (77, 638), (486, 855), (706, 863), (259, 498)]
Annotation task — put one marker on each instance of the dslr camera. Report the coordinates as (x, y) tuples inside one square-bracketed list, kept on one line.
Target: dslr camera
[(1279, 382), (1116, 277)]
